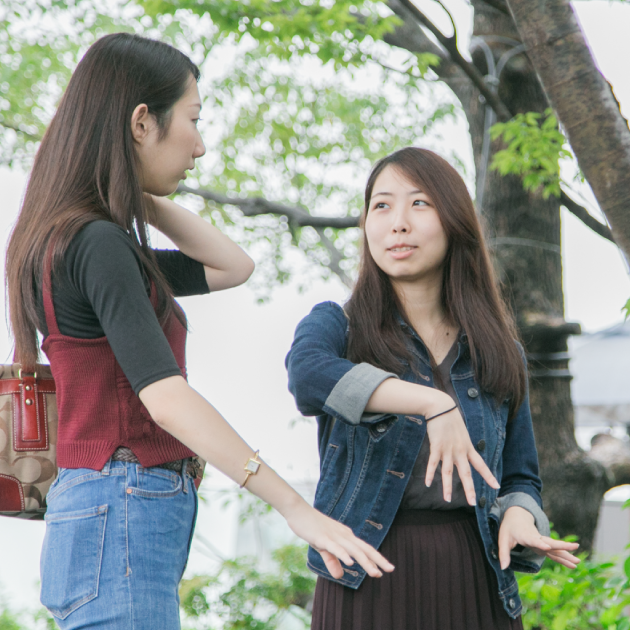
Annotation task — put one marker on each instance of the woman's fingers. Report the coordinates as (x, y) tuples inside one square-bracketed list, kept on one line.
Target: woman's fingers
[(349, 552), (432, 464), (480, 466), (465, 474), (341, 542), (564, 558), (447, 477), (332, 564), (560, 544)]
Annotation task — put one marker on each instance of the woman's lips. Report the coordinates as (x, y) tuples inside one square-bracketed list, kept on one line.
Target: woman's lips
[(399, 253)]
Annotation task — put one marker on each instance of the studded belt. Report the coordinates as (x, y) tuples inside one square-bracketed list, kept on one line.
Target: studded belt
[(124, 454)]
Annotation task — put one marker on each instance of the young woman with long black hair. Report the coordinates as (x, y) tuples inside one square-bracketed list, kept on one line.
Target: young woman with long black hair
[(80, 270), (416, 378)]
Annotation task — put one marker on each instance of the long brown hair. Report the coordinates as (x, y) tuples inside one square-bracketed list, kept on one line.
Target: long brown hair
[(470, 295), (86, 169)]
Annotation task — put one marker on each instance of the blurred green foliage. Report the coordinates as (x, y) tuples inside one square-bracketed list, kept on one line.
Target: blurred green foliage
[(300, 97), (238, 596), (593, 596)]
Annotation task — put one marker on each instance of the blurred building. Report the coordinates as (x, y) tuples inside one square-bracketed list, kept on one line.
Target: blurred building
[(600, 364)]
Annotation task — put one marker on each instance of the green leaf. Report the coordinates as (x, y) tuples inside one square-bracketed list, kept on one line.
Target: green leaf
[(532, 151)]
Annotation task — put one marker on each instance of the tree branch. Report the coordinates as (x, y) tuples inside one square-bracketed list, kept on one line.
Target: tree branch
[(450, 45), (409, 36), (18, 130), (499, 5), (256, 206), (583, 215), (584, 103), (335, 258)]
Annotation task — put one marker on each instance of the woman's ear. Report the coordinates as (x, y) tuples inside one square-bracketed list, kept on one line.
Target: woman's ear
[(141, 122)]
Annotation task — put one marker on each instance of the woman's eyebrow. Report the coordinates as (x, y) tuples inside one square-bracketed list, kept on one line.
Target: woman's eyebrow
[(412, 192)]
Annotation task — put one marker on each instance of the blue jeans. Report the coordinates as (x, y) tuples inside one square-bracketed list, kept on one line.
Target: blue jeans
[(116, 546)]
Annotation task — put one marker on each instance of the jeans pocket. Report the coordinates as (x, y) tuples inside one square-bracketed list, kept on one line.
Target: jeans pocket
[(71, 559), (157, 483)]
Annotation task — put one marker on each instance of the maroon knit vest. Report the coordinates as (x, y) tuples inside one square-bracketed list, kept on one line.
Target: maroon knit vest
[(98, 409)]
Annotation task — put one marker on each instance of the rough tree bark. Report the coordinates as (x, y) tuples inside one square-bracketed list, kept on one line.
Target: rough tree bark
[(584, 102)]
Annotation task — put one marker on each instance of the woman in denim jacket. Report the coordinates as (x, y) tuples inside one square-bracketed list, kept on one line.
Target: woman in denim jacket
[(424, 348)]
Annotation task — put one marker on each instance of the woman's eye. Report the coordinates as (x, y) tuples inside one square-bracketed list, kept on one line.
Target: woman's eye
[(196, 120), (379, 206), (420, 202)]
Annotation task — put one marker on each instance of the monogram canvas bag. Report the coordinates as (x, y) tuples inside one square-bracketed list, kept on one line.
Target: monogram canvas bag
[(28, 440)]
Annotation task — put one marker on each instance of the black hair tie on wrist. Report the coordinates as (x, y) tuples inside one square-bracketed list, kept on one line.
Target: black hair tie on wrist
[(442, 413)]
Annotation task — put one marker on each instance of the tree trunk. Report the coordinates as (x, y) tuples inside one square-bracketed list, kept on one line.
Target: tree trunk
[(524, 232), (584, 102)]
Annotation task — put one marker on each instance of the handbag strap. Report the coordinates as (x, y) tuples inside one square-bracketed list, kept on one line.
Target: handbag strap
[(49, 307)]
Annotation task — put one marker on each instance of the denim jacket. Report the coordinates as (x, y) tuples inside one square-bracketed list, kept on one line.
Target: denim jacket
[(366, 459)]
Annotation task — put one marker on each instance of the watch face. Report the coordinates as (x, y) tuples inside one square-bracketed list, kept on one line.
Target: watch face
[(252, 466)]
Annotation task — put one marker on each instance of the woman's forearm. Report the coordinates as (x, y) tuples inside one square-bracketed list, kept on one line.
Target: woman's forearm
[(226, 264), (398, 396), (189, 417)]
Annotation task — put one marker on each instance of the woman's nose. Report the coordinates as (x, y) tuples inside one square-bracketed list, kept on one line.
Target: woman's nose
[(200, 149), (401, 223)]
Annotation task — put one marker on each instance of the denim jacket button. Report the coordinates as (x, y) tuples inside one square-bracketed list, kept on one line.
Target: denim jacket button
[(511, 603), (473, 393), (381, 427), (493, 553), (481, 446), (482, 502)]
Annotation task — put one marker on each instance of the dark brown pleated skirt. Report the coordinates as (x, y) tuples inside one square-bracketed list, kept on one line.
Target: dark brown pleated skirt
[(442, 581)]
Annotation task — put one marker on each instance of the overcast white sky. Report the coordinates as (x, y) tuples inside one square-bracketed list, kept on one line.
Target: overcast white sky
[(236, 349)]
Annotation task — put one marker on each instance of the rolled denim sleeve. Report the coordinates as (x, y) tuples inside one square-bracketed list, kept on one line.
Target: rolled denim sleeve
[(525, 557), (320, 379), (350, 395)]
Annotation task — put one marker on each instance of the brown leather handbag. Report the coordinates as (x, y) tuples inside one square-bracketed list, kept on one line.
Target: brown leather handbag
[(28, 440)]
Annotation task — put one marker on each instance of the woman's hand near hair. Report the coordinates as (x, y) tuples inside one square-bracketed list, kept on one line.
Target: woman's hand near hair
[(180, 410), (226, 264), (518, 528), (448, 435)]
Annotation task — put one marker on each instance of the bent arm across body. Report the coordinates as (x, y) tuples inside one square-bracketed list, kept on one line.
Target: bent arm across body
[(324, 382)]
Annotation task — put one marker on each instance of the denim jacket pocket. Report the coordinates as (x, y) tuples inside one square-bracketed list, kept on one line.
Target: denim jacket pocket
[(71, 559)]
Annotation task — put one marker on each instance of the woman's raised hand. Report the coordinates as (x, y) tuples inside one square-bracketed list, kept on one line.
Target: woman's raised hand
[(335, 542), (451, 445)]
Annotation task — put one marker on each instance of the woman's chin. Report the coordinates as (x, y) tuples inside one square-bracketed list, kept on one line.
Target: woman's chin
[(163, 190)]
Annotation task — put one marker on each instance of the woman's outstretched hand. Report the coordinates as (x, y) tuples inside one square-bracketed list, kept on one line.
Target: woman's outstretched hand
[(518, 528), (335, 542), (451, 445)]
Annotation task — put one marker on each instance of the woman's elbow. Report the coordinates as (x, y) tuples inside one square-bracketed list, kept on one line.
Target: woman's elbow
[(236, 275), (247, 269), (243, 271)]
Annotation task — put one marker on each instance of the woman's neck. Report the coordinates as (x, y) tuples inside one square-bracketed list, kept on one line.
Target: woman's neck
[(422, 301)]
